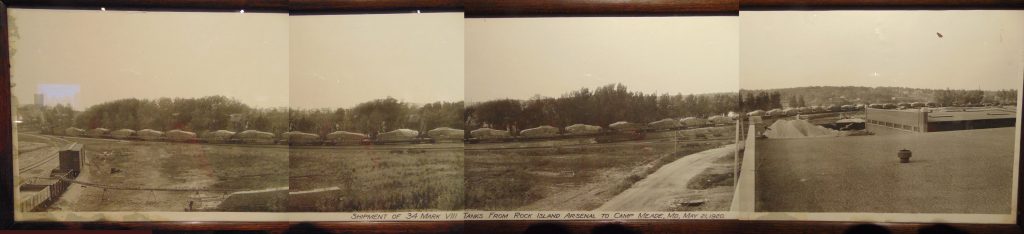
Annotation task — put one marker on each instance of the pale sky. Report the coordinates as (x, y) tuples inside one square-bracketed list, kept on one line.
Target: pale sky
[(522, 57), (344, 60), (978, 49), (89, 56)]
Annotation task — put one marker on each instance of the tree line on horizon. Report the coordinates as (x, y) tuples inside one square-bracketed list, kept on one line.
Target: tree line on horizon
[(213, 113), (850, 95), (601, 106)]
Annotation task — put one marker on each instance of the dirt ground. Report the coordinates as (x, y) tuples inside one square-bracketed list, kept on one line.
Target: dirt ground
[(798, 128), (142, 164), (377, 178), (36, 155), (969, 171), (701, 181), (567, 178)]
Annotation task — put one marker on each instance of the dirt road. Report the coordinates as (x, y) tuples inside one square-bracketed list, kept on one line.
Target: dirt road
[(662, 188)]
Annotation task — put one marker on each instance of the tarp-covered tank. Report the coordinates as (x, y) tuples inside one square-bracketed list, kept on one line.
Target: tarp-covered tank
[(300, 138), (179, 135), (718, 119), (756, 113), (99, 132), (123, 133), (398, 135), (487, 133), (343, 137), (255, 137), (774, 112), (150, 135), (73, 131), (790, 111), (691, 122), (542, 131), (446, 134), (219, 136), (582, 129), (626, 126), (665, 123)]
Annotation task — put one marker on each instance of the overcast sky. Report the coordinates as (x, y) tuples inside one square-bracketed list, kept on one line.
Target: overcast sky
[(343, 60), (522, 57), (977, 49), (86, 57)]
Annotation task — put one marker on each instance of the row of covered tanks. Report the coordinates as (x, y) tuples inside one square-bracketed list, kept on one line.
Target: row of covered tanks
[(547, 131), (838, 108), (791, 111), (442, 134)]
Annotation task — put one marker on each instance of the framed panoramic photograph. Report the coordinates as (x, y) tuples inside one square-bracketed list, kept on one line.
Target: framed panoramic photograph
[(530, 116)]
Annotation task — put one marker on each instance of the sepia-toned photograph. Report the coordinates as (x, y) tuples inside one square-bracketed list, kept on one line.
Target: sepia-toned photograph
[(376, 120), (907, 112), (133, 111), (601, 114)]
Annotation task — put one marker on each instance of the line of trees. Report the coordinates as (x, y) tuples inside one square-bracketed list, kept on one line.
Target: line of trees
[(218, 112), (601, 106), (760, 100), (846, 95)]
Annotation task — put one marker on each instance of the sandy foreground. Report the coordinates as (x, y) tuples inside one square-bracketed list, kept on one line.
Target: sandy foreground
[(666, 188)]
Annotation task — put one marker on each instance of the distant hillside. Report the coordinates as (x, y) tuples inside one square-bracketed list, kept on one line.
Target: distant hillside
[(842, 95)]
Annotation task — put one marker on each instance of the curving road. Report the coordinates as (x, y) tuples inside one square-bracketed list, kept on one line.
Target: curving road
[(660, 189)]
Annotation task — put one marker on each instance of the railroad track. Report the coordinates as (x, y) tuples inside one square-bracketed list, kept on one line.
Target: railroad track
[(142, 188), (622, 143), (49, 157)]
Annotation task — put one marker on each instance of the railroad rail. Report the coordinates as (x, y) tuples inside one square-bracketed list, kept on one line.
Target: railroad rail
[(140, 188), (48, 157)]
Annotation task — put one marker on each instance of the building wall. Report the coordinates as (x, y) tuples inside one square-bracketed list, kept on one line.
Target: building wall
[(915, 121)]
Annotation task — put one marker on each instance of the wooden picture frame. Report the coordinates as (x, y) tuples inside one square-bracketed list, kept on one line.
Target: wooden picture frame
[(482, 9)]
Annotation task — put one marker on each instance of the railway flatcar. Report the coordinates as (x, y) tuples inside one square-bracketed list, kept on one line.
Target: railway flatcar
[(720, 120), (219, 136), (539, 132), (98, 132), (489, 135), (623, 126), (73, 131), (789, 111), (582, 129), (399, 136), (664, 124), (694, 122), (150, 135), (255, 137), (446, 134), (300, 138), (345, 138), (773, 113), (179, 135), (123, 134)]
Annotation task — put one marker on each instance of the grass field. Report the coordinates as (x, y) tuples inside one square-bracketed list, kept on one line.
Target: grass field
[(172, 165), (377, 179), (968, 171), (565, 178)]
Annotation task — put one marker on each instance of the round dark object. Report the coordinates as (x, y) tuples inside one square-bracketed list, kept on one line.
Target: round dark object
[(904, 155)]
